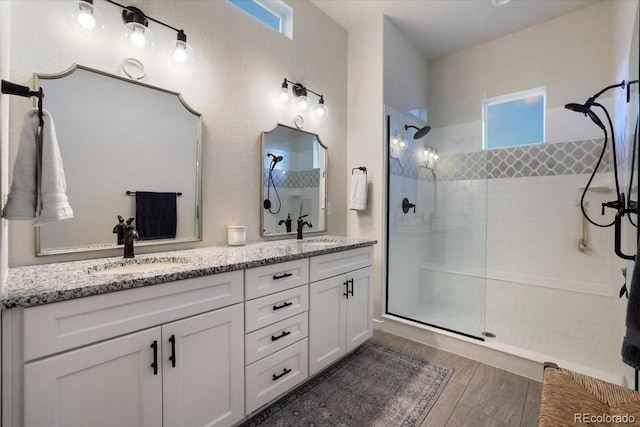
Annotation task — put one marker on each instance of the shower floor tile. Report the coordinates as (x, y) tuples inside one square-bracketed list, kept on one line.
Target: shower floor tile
[(597, 355)]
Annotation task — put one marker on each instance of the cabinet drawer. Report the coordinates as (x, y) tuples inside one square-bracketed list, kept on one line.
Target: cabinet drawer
[(268, 279), (61, 326), (268, 340), (264, 311), (329, 265), (276, 374)]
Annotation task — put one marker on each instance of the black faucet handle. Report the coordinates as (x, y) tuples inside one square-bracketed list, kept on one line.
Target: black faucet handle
[(130, 220), (302, 216), (120, 219)]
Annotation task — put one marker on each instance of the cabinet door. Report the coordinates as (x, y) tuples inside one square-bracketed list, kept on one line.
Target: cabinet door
[(359, 308), (103, 385), (327, 322), (203, 369)]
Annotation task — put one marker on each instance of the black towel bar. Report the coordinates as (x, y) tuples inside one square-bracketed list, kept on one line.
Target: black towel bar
[(11, 88), (133, 193)]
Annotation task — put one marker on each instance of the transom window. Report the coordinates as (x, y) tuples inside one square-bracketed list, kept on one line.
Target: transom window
[(275, 13), (514, 119)]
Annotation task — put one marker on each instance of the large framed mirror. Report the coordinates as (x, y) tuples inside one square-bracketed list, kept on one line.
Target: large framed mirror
[(118, 137), (294, 181)]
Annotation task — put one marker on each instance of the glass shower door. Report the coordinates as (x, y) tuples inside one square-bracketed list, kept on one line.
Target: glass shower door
[(436, 218)]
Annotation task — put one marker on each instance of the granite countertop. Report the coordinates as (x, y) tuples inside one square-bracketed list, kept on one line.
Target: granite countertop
[(46, 283)]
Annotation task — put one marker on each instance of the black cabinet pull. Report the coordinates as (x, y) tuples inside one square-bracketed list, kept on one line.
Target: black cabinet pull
[(282, 335), (282, 276), (172, 340), (351, 291), (154, 365), (346, 292), (285, 371), (284, 304)]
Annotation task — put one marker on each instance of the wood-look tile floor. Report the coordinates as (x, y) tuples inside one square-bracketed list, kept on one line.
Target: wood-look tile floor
[(477, 395)]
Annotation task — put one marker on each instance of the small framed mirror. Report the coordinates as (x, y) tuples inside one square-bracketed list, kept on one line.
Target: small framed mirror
[(116, 137), (294, 181)]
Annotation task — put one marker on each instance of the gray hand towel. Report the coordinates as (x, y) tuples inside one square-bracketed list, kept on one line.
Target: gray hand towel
[(631, 342)]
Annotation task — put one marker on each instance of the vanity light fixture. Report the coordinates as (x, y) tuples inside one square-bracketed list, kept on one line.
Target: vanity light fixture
[(182, 51), (430, 153), (301, 93), (137, 27), (83, 14), (284, 91)]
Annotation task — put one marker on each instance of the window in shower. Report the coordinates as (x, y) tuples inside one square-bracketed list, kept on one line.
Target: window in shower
[(514, 119)]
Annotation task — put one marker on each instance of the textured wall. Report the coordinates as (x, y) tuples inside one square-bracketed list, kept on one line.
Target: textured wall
[(234, 82)]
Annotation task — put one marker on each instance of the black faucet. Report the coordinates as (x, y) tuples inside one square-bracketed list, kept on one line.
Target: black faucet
[(130, 234), (301, 224), (286, 222), (119, 230)]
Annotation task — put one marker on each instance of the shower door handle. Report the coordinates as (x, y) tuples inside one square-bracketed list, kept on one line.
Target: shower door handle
[(406, 205)]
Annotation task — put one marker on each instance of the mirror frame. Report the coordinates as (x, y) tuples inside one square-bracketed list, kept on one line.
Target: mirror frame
[(198, 211), (262, 195)]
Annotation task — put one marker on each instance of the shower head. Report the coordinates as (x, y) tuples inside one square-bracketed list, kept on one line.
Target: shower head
[(420, 131), (276, 159), (579, 108), (586, 110)]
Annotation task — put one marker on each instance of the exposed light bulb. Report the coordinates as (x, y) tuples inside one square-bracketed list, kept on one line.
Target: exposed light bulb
[(284, 94), (394, 140), (425, 152), (180, 54), (431, 155), (303, 103), (86, 19), (137, 37), (435, 156), (402, 144), (321, 109)]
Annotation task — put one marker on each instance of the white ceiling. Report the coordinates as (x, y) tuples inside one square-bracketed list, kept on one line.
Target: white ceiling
[(438, 27)]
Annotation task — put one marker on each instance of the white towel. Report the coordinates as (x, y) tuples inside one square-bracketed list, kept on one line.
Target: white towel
[(38, 189), (358, 192)]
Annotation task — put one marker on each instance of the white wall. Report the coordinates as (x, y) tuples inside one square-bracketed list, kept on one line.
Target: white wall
[(365, 137), (234, 82), (405, 71), (5, 60)]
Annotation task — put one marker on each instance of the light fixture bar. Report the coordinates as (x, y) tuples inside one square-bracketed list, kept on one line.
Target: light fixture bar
[(300, 86), (146, 16)]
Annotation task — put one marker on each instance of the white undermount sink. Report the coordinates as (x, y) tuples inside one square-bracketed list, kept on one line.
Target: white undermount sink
[(132, 266)]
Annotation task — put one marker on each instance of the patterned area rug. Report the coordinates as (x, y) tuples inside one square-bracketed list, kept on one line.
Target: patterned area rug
[(373, 386)]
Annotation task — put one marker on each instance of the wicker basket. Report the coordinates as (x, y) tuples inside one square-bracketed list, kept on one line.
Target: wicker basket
[(570, 399)]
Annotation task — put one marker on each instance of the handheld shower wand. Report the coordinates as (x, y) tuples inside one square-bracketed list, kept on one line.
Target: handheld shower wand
[(270, 183), (585, 109)]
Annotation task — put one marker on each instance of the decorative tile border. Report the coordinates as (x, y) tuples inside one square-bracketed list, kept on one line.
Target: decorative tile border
[(294, 179), (567, 158)]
